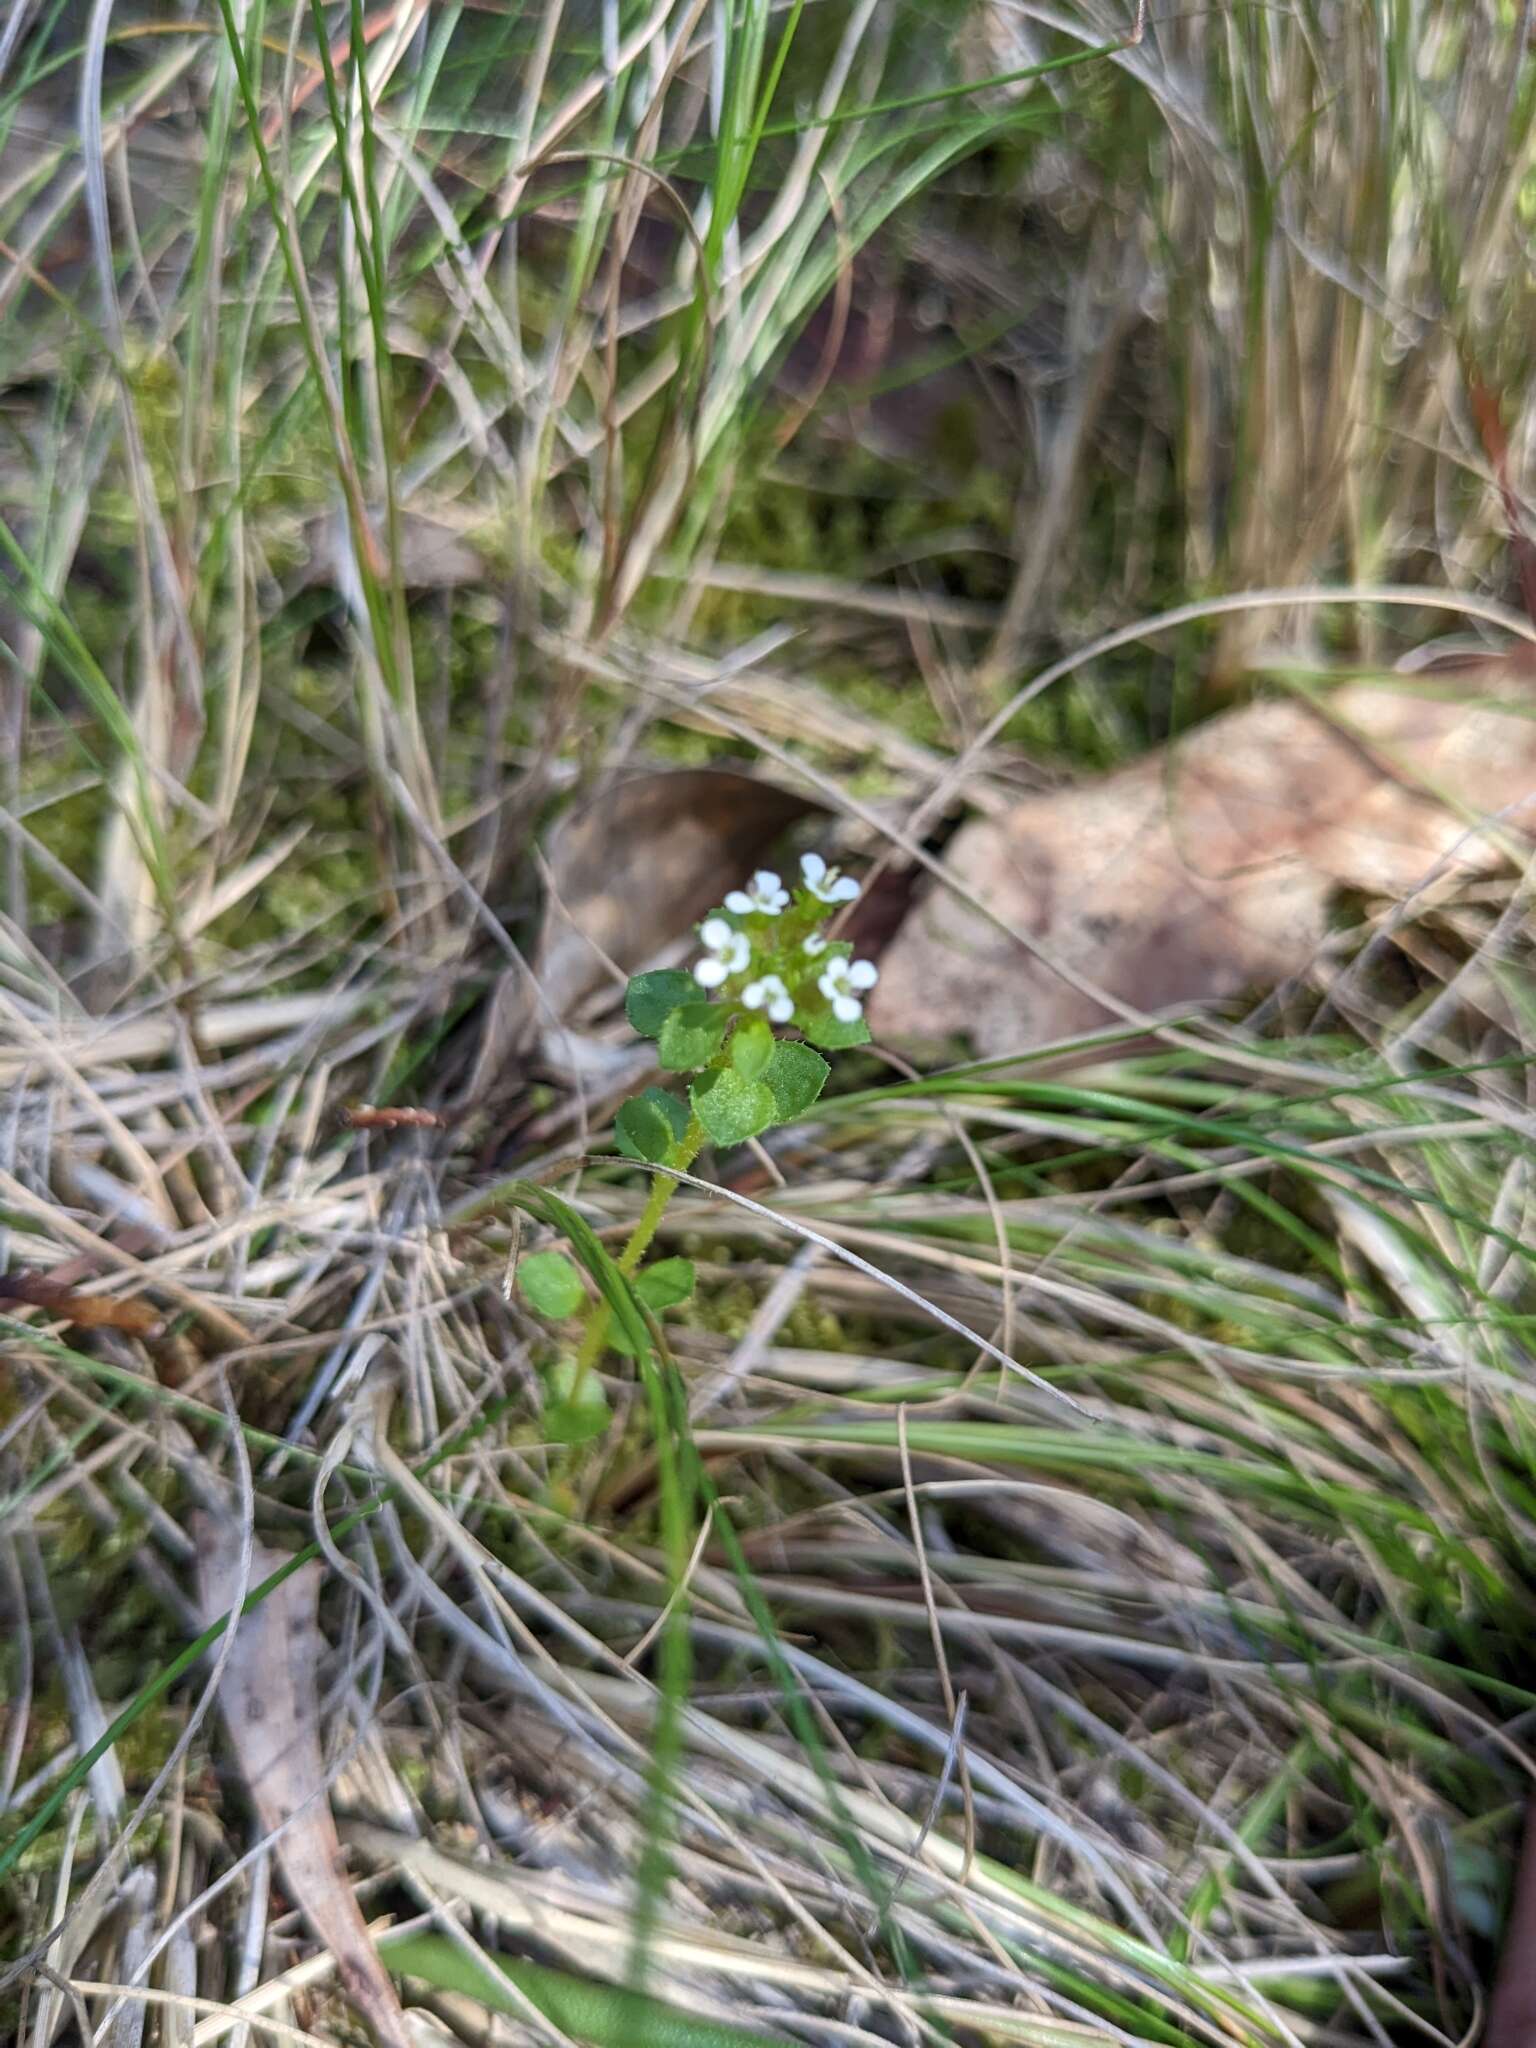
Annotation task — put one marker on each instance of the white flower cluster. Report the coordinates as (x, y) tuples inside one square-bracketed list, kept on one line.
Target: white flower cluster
[(729, 952)]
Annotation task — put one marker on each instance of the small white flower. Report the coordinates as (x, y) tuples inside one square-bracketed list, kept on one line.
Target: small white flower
[(825, 883), (838, 982), (814, 945), (765, 892), (771, 995), (729, 952)]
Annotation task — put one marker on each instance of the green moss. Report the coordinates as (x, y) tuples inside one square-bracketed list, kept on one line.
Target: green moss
[(843, 512), (811, 1327), (68, 826), (683, 746)]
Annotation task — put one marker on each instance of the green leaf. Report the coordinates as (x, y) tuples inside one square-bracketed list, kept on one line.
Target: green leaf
[(825, 1030), (691, 1036), (565, 1382), (752, 1047), (550, 1284), (731, 1108), (555, 1214), (650, 999), (665, 1283), (795, 1076), (575, 1408), (648, 1126), (661, 1285)]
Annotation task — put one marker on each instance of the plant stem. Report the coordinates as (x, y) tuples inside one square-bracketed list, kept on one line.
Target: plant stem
[(663, 1188)]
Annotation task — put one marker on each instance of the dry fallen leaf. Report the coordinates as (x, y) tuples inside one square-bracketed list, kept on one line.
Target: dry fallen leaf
[(1207, 869), (630, 871), (271, 1709), (85, 1311)]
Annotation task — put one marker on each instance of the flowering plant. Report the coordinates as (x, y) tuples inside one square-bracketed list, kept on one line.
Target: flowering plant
[(766, 961)]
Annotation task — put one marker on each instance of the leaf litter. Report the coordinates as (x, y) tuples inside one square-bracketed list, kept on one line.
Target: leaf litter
[(269, 1701), (1208, 870), (635, 867)]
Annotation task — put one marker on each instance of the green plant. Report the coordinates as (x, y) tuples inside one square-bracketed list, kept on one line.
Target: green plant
[(769, 963)]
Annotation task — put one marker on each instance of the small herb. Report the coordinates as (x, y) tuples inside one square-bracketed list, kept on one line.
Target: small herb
[(766, 965)]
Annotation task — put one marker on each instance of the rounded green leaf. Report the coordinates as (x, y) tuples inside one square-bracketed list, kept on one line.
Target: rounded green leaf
[(566, 1423), (650, 999), (795, 1076), (550, 1284), (826, 1030), (564, 1382), (731, 1108), (650, 1125), (575, 1405), (665, 1283), (752, 1047), (691, 1036)]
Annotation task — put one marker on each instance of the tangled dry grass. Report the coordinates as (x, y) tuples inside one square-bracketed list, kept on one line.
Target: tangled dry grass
[(415, 416)]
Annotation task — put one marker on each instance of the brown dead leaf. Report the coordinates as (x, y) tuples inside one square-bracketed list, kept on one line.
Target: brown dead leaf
[(630, 871), (270, 1706), (85, 1311), (1207, 869)]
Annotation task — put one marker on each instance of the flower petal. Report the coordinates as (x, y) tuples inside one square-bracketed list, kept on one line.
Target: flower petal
[(739, 901), (813, 867), (813, 945), (863, 974), (843, 890), (710, 973), (846, 1009), (715, 933)]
